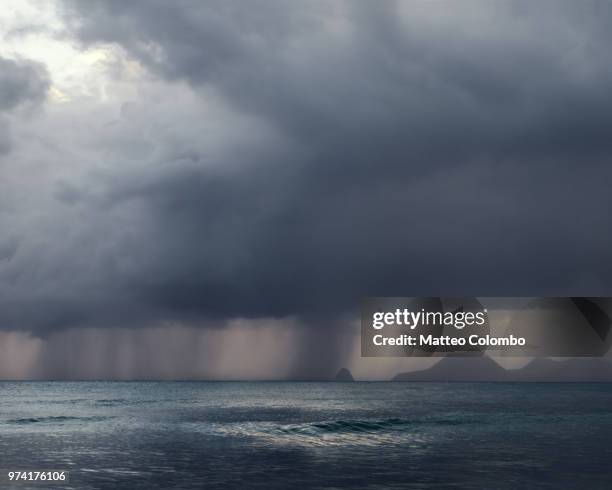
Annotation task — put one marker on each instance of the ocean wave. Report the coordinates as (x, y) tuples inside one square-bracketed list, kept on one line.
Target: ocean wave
[(111, 402), (72, 401), (360, 432), (370, 426), (345, 426), (53, 419)]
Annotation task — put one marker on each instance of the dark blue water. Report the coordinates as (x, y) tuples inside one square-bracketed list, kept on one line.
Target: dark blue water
[(310, 435)]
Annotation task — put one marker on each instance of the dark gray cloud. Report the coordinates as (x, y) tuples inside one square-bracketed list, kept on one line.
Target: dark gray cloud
[(21, 83), (419, 148)]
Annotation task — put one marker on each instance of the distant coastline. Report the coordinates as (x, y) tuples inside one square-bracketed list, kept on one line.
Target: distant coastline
[(538, 370)]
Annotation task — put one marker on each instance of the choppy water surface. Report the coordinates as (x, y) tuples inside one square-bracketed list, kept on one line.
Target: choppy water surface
[(310, 435)]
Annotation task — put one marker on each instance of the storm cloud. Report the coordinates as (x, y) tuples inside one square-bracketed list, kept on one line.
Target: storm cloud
[(289, 159), (22, 83)]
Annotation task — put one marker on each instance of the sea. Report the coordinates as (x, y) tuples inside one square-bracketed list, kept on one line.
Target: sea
[(303, 435)]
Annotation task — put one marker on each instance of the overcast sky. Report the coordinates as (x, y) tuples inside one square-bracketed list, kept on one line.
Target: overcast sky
[(207, 189)]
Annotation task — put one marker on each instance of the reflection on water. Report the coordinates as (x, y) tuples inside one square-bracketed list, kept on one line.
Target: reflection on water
[(310, 435), (322, 434)]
